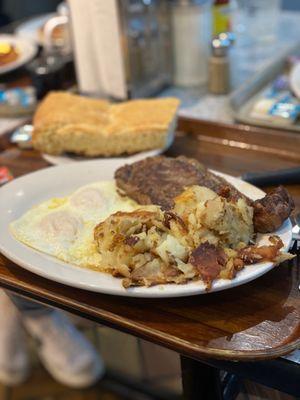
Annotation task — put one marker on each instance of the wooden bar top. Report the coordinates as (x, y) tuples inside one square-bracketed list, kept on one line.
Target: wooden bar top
[(258, 320)]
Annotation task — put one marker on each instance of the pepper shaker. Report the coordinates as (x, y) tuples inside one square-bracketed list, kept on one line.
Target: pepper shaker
[(218, 66)]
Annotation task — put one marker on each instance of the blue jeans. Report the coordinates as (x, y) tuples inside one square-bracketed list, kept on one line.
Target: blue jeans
[(29, 307)]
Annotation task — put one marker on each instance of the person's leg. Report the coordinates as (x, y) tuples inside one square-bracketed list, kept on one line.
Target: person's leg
[(65, 352), (29, 307), (14, 361)]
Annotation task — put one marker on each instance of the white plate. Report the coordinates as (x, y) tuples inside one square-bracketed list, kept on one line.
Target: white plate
[(70, 159), (30, 29), (26, 48), (21, 194), (295, 80)]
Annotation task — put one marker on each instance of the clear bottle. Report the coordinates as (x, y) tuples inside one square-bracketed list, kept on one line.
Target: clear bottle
[(191, 27)]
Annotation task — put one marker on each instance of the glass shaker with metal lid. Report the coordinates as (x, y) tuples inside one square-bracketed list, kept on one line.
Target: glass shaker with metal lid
[(191, 28), (218, 66)]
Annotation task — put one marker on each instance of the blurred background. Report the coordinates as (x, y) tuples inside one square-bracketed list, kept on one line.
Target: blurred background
[(12, 10), (227, 61)]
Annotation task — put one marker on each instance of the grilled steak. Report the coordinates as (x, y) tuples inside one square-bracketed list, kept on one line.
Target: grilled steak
[(272, 210), (158, 180)]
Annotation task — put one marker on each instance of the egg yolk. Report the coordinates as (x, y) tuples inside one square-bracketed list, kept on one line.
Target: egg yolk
[(61, 224), (88, 198)]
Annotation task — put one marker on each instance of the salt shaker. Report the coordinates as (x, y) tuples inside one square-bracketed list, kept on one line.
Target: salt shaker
[(218, 66), (191, 26)]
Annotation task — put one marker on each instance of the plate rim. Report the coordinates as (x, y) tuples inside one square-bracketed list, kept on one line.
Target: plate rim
[(66, 159)]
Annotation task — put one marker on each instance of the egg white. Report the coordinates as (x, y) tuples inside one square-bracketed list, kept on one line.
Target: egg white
[(64, 227)]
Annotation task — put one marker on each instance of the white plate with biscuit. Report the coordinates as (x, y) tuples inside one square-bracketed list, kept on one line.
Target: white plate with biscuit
[(23, 193), (71, 128), (71, 158)]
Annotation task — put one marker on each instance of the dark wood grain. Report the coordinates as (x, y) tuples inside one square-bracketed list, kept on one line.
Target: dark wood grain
[(284, 145), (255, 321)]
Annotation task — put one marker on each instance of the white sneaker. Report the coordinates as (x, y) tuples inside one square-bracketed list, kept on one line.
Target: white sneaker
[(64, 351), (14, 360)]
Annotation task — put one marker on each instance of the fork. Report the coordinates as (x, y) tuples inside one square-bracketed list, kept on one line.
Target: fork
[(296, 227)]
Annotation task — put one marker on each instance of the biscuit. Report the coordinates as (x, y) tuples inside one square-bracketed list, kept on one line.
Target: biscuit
[(66, 122)]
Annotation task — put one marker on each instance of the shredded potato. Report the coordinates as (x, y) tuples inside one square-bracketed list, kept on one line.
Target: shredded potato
[(205, 237)]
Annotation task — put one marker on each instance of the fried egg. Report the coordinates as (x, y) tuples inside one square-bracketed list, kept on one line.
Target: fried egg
[(64, 227)]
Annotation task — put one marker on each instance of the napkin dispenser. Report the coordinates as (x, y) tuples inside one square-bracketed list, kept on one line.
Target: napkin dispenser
[(122, 48)]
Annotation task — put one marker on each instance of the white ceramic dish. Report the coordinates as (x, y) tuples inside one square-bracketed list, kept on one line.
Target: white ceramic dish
[(26, 48), (295, 80), (21, 194), (69, 159), (30, 28)]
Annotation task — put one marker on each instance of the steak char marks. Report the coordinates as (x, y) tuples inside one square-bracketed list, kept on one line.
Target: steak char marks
[(158, 180)]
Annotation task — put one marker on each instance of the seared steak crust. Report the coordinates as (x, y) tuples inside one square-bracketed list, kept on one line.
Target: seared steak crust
[(158, 180), (272, 210)]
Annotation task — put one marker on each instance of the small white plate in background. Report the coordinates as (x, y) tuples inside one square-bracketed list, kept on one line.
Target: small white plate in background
[(26, 48), (30, 29), (295, 80)]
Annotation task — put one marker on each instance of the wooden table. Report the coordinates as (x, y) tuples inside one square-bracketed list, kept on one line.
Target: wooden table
[(257, 321)]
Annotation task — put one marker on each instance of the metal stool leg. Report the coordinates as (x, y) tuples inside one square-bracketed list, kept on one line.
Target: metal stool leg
[(6, 393), (200, 381)]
